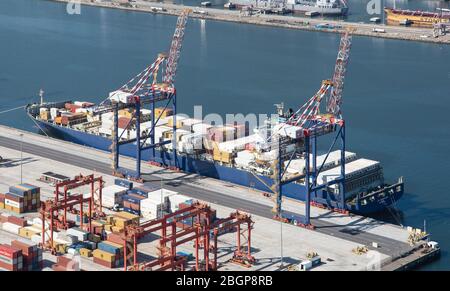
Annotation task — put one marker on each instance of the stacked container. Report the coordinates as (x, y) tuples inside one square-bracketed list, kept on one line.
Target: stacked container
[(124, 183), (132, 203), (23, 198), (11, 258), (112, 195), (32, 255), (108, 254)]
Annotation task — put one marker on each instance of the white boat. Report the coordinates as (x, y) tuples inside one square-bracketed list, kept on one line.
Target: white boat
[(323, 7), (229, 5)]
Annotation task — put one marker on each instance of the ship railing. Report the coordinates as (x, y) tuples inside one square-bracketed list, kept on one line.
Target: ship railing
[(385, 189)]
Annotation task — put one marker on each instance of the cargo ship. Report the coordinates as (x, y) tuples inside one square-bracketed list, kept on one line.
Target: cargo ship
[(228, 153), (416, 18), (323, 7)]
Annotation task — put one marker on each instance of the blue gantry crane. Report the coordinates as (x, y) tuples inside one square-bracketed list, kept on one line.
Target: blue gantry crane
[(313, 125), (154, 85)]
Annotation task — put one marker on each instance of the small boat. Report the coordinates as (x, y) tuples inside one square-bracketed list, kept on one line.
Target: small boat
[(229, 5), (312, 13), (375, 19), (205, 3), (405, 22)]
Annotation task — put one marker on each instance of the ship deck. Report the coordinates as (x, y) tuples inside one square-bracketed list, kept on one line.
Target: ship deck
[(334, 238)]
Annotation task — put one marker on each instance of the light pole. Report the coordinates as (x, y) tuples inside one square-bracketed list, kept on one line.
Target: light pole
[(281, 244), (21, 158)]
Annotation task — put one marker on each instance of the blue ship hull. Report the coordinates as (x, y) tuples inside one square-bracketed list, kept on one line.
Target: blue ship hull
[(372, 204)]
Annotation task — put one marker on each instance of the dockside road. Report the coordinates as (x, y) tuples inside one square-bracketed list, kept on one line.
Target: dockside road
[(286, 21), (357, 230)]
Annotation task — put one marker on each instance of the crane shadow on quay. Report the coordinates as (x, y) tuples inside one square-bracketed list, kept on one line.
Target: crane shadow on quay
[(10, 163)]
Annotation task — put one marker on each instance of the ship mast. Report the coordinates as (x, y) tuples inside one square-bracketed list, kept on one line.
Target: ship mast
[(41, 95)]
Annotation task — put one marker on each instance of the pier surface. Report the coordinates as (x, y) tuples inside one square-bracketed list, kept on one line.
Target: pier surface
[(334, 238), (293, 22)]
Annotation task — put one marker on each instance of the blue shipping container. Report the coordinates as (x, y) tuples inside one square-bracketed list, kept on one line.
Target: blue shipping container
[(17, 191), (123, 183), (132, 199), (108, 248), (138, 191)]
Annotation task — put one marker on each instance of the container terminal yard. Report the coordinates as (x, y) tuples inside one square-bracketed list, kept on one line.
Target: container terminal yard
[(336, 239), (129, 188), (434, 35)]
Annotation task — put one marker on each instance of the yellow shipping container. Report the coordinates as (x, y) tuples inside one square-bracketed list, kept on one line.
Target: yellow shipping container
[(121, 222), (117, 229), (223, 157), (26, 232), (13, 209), (2, 205), (85, 253), (99, 254), (179, 123), (45, 115), (128, 216), (125, 113), (164, 113), (98, 223), (60, 248)]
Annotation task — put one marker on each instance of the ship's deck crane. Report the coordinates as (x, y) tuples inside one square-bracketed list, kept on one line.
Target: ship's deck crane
[(313, 125), (147, 88)]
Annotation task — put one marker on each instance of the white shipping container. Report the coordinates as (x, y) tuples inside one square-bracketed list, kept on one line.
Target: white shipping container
[(72, 251), (10, 227), (201, 128), (37, 222), (175, 201), (104, 131), (121, 96), (67, 238), (13, 203), (80, 234)]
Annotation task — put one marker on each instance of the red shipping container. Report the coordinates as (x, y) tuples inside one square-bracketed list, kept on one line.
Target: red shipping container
[(59, 268), (17, 221), (9, 252), (115, 238), (67, 263), (27, 249), (9, 267), (128, 204), (123, 122), (3, 219), (104, 263), (14, 198), (2, 198)]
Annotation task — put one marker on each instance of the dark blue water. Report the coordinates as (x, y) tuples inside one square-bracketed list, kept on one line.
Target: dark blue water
[(397, 94)]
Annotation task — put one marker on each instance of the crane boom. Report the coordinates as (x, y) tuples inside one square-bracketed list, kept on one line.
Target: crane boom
[(175, 47), (335, 99)]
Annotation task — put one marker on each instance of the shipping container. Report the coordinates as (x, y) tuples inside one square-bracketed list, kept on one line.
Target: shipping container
[(123, 183)]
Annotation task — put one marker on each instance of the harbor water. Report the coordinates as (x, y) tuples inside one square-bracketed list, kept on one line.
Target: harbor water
[(396, 97)]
